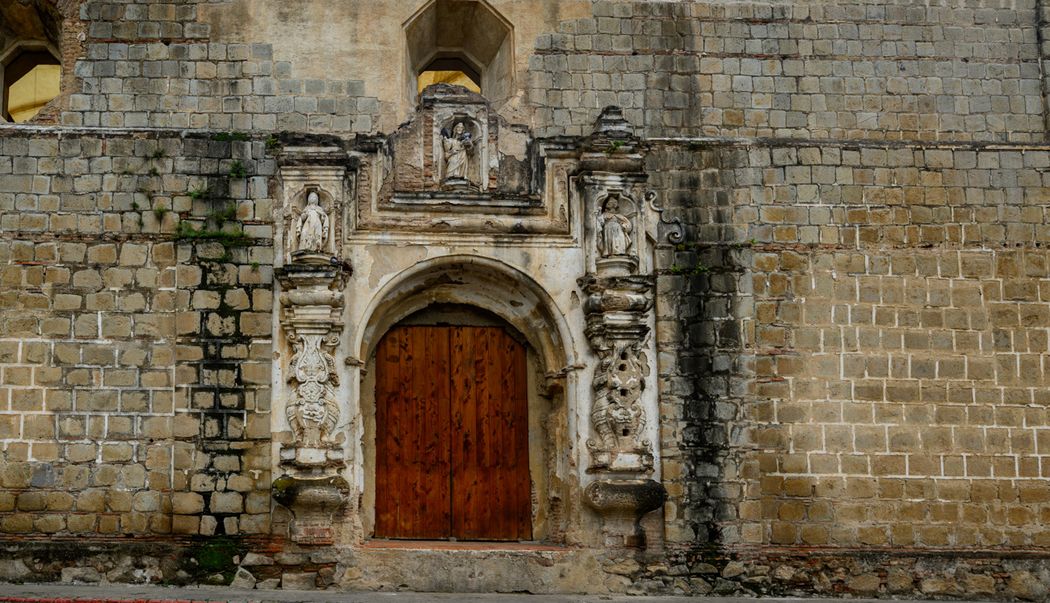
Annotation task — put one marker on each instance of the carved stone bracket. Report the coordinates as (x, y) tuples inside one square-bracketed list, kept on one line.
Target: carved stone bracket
[(314, 504), (622, 503)]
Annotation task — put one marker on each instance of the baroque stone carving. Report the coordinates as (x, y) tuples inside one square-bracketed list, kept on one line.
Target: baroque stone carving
[(313, 412), (616, 414), (616, 309), (619, 288), (312, 488), (311, 307)]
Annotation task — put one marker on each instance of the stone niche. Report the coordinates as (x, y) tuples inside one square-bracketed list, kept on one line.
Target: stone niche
[(458, 167)]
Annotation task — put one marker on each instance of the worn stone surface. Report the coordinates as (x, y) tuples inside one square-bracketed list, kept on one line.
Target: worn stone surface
[(847, 349)]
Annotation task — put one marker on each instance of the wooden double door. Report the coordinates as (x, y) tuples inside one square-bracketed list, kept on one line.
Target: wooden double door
[(452, 455)]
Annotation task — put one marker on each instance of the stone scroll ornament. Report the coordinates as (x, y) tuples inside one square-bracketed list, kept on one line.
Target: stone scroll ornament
[(313, 412)]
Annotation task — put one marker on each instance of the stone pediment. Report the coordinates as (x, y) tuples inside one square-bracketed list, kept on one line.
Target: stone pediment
[(458, 167)]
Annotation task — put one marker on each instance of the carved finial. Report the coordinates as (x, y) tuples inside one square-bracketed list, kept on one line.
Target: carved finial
[(612, 123)]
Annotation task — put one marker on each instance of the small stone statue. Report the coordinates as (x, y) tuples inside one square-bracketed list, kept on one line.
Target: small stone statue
[(312, 226), (614, 230), (456, 147)]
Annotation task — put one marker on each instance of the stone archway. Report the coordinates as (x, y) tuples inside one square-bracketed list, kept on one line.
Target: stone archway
[(515, 301)]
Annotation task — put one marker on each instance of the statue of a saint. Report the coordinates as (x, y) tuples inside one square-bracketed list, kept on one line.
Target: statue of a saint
[(456, 147), (614, 230), (312, 226)]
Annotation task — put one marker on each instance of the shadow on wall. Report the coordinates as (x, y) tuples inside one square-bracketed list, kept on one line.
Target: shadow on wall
[(703, 309)]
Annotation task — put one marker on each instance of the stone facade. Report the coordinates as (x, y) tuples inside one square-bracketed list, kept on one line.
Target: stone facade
[(785, 305)]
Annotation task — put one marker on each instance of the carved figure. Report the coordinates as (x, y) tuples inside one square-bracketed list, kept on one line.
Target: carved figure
[(312, 226), (457, 147), (617, 414), (614, 230), (312, 412)]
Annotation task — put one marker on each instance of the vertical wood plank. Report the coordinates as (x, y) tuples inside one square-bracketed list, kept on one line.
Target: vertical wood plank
[(519, 428), (490, 473), (463, 434), (412, 456)]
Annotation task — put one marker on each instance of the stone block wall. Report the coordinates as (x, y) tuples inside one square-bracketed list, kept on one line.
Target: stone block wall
[(155, 65), (856, 338), (135, 321), (801, 69), (853, 336)]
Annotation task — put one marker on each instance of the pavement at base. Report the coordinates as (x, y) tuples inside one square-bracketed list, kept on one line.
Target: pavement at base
[(84, 593)]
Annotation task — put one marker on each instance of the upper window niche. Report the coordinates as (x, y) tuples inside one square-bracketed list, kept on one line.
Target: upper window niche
[(30, 65), (450, 71), (461, 42), (31, 77)]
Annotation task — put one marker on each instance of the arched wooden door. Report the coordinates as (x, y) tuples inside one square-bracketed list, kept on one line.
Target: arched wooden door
[(452, 458)]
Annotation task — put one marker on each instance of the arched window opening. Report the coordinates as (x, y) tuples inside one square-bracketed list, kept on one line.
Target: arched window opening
[(31, 78), (30, 66), (464, 42), (453, 71)]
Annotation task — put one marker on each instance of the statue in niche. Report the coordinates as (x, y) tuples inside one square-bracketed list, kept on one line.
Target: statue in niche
[(458, 145), (614, 230), (312, 226)]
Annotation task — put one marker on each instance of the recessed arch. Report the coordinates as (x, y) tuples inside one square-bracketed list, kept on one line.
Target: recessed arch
[(474, 281), (469, 32), (522, 306)]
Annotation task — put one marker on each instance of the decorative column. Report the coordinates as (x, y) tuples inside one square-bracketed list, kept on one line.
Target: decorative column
[(619, 287), (312, 278)]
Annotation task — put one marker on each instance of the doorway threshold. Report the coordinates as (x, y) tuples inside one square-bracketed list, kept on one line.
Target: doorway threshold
[(445, 545)]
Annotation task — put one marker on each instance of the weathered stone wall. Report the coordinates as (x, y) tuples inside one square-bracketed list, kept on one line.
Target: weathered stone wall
[(154, 64), (852, 336), (864, 336), (898, 70), (135, 351)]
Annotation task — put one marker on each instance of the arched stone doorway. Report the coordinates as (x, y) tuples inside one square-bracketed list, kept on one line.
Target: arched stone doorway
[(442, 303)]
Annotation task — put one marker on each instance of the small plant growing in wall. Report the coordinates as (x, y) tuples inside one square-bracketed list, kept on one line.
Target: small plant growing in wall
[(199, 192), (225, 214), (160, 211), (237, 169)]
